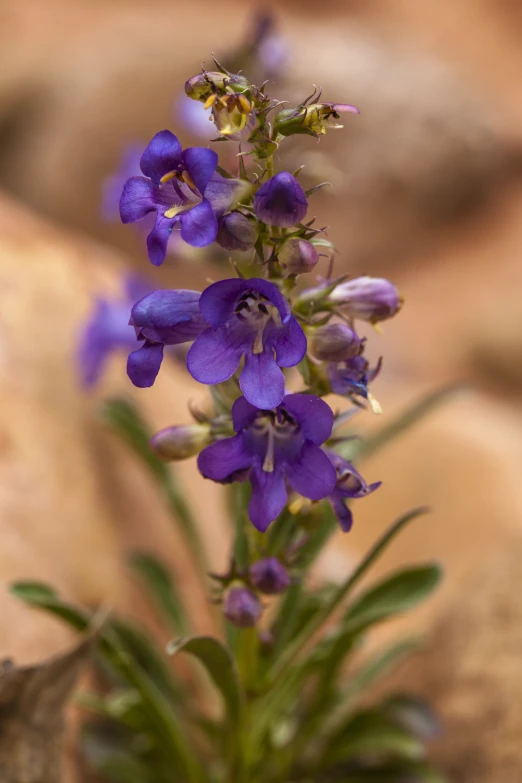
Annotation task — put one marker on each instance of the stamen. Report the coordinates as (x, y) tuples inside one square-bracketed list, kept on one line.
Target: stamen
[(173, 211), (268, 464), (167, 177), (374, 404), (188, 179), (243, 104), (258, 342), (210, 101)]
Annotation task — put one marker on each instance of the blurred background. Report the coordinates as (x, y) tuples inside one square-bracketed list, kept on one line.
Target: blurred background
[(426, 190)]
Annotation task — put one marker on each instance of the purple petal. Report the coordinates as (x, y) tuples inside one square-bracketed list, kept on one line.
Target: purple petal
[(342, 512), (273, 293), (222, 459), (137, 199), (262, 381), (243, 414), (218, 301), (289, 343), (312, 475), (313, 414), (158, 239), (169, 317), (200, 163), (224, 194), (281, 201), (143, 365), (199, 225), (268, 499), (215, 355), (162, 154), (345, 107)]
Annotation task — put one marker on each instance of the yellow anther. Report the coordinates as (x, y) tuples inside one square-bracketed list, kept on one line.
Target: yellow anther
[(167, 177), (188, 179), (210, 101), (244, 105), (374, 404)]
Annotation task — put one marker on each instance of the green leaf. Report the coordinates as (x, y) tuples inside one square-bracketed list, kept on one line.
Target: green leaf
[(368, 733), (40, 595), (220, 666), (162, 588), (413, 714), (394, 595), (378, 665), (124, 418)]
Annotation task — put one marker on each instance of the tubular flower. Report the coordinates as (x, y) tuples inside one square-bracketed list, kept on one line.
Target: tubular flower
[(350, 485), (272, 447), (370, 299), (236, 232), (250, 319), (159, 319), (108, 330), (312, 120), (281, 201), (181, 186), (352, 376)]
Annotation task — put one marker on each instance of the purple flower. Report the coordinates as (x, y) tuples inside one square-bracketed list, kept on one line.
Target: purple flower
[(113, 185), (281, 201), (269, 576), (180, 186), (242, 607), (371, 299), (350, 484), (297, 256), (353, 375), (335, 342), (159, 319), (250, 319), (108, 330), (272, 447), (236, 232)]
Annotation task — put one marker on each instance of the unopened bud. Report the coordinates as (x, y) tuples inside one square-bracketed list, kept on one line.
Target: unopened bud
[(202, 86), (176, 443), (297, 256), (335, 343), (371, 299), (269, 576), (242, 607), (312, 120), (236, 232)]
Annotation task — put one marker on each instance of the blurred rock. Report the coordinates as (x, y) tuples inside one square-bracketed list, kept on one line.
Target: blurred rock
[(73, 501)]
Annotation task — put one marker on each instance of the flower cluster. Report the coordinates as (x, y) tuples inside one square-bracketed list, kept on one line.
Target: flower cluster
[(245, 333)]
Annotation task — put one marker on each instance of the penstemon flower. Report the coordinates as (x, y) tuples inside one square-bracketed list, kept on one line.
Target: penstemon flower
[(350, 484)]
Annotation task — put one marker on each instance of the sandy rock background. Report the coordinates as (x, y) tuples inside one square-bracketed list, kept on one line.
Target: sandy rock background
[(425, 188)]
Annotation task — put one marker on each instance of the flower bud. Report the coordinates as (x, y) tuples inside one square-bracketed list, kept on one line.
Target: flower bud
[(236, 232), (368, 298), (297, 256), (334, 343), (311, 120), (242, 607), (204, 85), (281, 201), (176, 443), (269, 576)]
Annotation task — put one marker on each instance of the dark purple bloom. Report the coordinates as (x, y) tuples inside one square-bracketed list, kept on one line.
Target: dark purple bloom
[(236, 232), (350, 485), (269, 576), (273, 447), (108, 330), (371, 299), (352, 376), (159, 319), (242, 607), (281, 201), (181, 187), (250, 319)]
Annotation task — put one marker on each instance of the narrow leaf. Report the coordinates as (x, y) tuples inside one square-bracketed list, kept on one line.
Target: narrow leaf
[(163, 589)]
